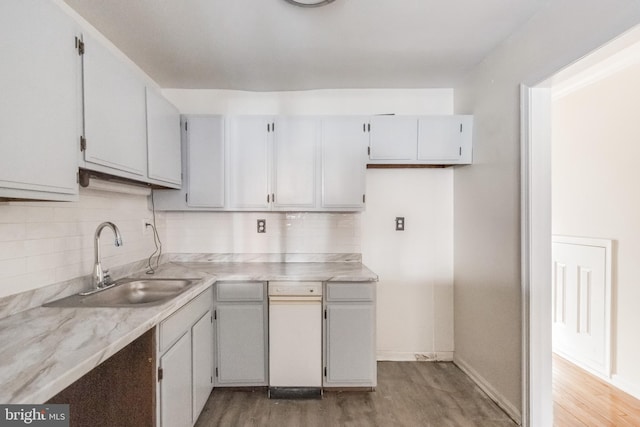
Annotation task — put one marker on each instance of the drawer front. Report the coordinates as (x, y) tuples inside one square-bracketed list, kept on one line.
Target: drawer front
[(174, 326), (239, 291), (350, 291)]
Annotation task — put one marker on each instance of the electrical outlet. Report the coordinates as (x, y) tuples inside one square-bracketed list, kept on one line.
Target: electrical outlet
[(146, 226), (262, 226), (399, 223)]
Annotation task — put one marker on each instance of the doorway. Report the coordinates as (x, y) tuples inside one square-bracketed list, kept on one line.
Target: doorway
[(537, 230)]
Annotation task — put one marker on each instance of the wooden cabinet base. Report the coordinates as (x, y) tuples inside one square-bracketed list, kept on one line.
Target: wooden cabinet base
[(118, 392)]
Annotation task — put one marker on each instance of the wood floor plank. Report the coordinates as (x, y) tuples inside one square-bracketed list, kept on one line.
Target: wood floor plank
[(582, 399), (429, 394)]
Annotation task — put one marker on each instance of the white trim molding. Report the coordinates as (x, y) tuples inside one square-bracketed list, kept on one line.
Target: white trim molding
[(535, 212)]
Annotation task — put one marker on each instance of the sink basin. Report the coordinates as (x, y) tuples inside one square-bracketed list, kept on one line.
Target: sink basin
[(129, 293)]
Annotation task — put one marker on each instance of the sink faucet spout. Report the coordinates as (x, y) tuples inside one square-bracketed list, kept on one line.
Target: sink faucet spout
[(101, 277)]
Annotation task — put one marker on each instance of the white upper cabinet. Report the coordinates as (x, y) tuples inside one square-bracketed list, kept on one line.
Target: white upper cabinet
[(163, 140), (295, 146), (114, 114), (427, 140), (203, 162), (40, 108), (248, 159), (445, 139), (392, 138), (344, 151)]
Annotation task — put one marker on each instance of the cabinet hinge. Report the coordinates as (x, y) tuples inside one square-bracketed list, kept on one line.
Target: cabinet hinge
[(325, 371), (216, 372), (80, 46), (160, 374), (83, 143)]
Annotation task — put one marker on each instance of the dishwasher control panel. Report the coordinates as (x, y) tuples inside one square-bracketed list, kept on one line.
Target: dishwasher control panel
[(295, 288)]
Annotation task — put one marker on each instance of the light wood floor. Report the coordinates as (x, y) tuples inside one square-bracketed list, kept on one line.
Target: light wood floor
[(581, 399), (408, 394)]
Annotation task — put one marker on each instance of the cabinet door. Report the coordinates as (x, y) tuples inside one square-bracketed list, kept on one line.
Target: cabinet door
[(175, 386), (248, 142), (350, 344), (202, 336), (295, 146), (393, 138), (163, 140), (40, 108), (205, 161), (114, 114), (441, 139), (240, 332), (344, 149)]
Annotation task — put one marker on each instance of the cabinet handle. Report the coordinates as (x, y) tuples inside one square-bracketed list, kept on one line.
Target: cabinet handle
[(369, 127), (267, 198), (273, 197), (364, 127)]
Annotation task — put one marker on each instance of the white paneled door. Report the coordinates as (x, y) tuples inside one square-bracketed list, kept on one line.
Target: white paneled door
[(581, 295)]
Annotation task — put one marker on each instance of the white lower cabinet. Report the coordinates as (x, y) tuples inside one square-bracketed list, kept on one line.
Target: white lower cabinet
[(185, 369), (241, 334), (175, 385), (202, 358), (349, 341)]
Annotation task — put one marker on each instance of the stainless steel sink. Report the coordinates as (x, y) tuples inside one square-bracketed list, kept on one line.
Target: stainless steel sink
[(129, 293)]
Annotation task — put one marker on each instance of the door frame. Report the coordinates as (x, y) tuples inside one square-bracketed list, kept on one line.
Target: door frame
[(535, 200)]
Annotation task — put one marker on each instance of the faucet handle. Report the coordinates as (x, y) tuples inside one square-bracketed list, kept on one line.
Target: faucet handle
[(106, 278)]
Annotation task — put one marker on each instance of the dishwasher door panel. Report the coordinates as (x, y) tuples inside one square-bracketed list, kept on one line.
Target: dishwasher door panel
[(295, 343)]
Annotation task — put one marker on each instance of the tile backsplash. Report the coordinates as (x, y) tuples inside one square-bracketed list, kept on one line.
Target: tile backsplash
[(48, 242), (236, 232), (42, 243)]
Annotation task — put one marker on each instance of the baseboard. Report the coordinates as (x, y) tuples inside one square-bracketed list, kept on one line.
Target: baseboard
[(493, 394), (409, 356), (625, 385)]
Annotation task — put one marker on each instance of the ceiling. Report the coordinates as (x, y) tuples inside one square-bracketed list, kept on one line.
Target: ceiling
[(268, 45)]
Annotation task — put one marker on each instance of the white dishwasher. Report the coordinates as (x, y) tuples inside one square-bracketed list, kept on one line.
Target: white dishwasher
[(295, 339)]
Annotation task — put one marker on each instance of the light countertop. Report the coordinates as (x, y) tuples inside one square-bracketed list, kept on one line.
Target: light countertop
[(45, 349)]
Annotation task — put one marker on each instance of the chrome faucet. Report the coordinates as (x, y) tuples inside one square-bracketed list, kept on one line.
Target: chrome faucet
[(101, 278)]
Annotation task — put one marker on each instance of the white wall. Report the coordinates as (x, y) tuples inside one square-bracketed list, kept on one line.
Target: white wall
[(42, 243), (595, 175), (415, 266), (415, 313), (487, 310)]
